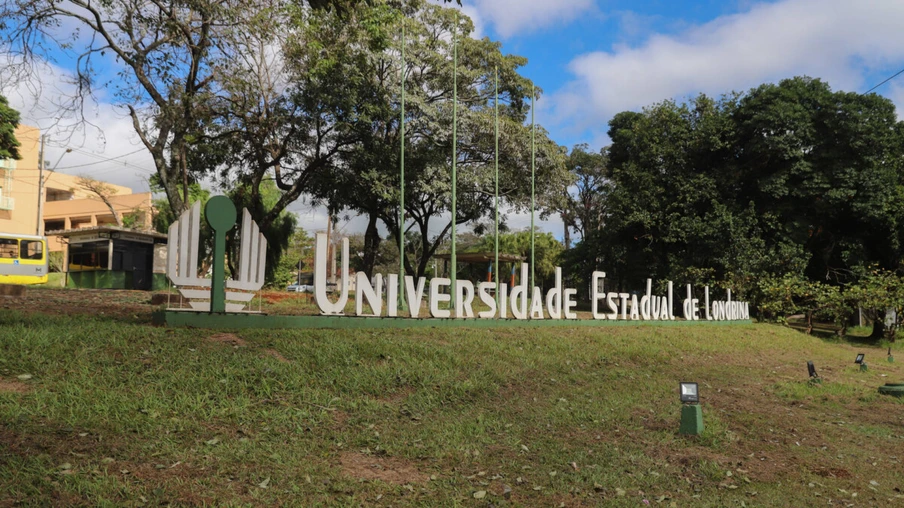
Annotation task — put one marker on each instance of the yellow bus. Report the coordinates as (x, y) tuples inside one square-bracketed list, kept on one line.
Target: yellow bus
[(23, 259)]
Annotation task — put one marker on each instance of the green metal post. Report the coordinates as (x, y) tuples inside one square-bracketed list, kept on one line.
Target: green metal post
[(220, 215), (402, 305), (496, 200), (533, 98), (454, 274), (691, 420)]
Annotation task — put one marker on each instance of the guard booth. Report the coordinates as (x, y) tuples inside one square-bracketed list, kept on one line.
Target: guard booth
[(111, 257)]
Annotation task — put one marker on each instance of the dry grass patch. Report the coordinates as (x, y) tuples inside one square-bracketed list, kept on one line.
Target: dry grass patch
[(386, 469), (277, 355), (7, 386), (229, 339)]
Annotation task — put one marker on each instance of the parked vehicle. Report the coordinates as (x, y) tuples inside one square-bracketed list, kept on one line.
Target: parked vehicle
[(23, 259), (300, 288)]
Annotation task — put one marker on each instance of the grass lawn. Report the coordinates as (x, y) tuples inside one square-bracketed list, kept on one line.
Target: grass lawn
[(100, 408)]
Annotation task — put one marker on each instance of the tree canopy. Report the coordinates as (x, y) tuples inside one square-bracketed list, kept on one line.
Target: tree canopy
[(9, 120), (788, 177)]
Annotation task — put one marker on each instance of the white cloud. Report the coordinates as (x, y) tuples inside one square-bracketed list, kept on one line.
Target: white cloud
[(97, 147), (511, 17), (895, 92), (472, 12), (836, 40)]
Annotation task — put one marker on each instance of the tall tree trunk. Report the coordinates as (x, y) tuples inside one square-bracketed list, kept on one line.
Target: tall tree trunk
[(568, 221), (878, 326), (371, 245)]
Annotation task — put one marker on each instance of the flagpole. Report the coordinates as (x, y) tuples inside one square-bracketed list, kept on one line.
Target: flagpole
[(496, 200), (533, 98), (454, 154), (402, 180)]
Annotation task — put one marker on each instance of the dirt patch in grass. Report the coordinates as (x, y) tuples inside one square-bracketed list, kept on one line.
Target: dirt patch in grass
[(13, 387), (397, 396), (340, 418), (128, 306), (280, 297), (227, 339), (387, 469), (276, 354), (832, 472)]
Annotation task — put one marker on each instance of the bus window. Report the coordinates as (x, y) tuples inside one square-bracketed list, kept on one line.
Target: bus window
[(32, 249), (9, 248)]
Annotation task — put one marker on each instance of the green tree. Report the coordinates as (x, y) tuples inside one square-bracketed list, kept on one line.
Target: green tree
[(184, 70), (877, 291), (787, 178), (584, 202), (547, 252), (278, 231), (297, 257), (165, 56), (665, 213), (827, 166), (288, 119), (9, 120)]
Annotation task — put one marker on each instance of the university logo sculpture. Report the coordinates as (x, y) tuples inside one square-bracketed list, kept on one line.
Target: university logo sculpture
[(183, 247)]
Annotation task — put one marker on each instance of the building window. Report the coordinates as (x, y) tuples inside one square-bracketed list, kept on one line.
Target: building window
[(54, 225), (106, 220), (58, 195), (9, 248), (80, 222)]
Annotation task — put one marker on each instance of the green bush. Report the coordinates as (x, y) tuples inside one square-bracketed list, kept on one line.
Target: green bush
[(55, 261)]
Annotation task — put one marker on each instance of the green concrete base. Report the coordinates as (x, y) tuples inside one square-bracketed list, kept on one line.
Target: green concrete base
[(111, 279), (99, 279), (691, 420), (176, 318), (159, 282), (863, 367)]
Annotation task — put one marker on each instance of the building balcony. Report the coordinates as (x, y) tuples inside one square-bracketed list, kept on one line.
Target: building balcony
[(7, 203)]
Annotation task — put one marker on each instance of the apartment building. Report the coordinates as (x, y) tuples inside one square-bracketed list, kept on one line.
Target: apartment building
[(62, 203)]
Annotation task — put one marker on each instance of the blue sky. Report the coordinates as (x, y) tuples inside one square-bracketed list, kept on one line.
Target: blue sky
[(595, 58)]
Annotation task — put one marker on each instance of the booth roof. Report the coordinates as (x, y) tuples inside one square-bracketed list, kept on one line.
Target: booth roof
[(66, 233)]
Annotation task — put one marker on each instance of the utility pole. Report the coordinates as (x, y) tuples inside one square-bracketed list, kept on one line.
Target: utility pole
[(39, 227), (39, 221)]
